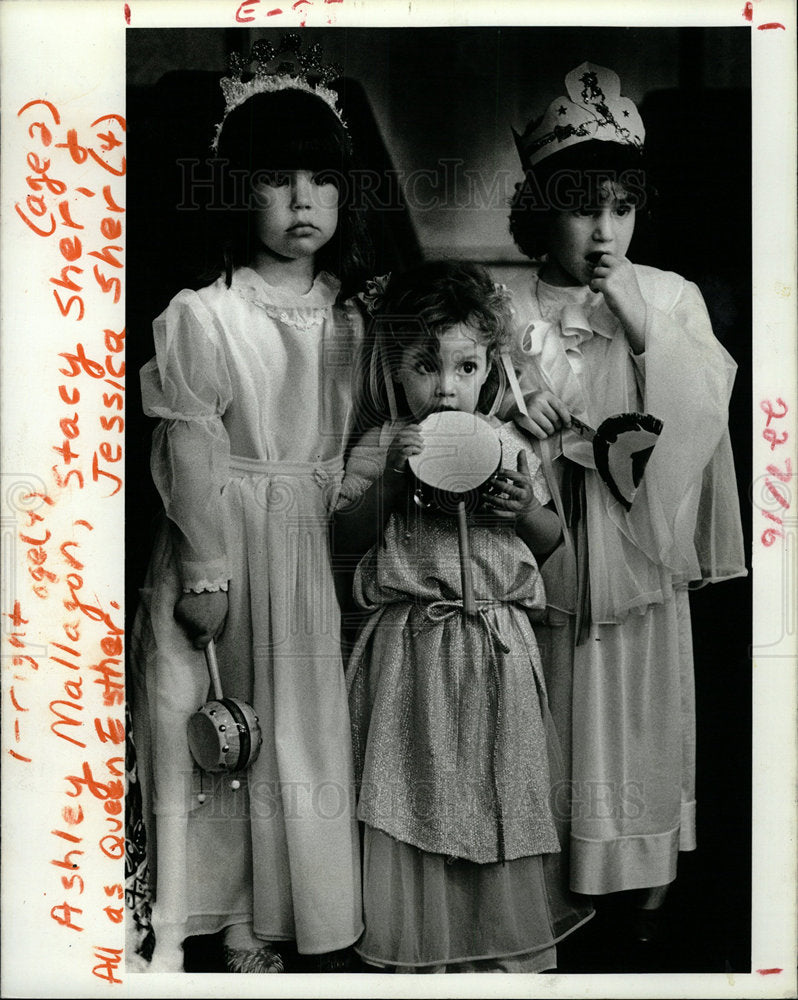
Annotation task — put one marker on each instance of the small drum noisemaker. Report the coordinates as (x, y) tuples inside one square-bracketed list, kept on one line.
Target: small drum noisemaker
[(224, 734), (461, 452)]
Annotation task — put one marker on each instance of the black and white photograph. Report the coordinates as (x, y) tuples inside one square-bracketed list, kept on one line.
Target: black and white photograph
[(413, 590), (343, 241)]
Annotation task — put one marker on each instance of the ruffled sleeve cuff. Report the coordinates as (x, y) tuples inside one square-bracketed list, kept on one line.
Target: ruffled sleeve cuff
[(201, 577), (207, 587)]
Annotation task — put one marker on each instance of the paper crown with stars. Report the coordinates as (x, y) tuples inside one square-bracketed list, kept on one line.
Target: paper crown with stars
[(282, 67), (593, 109)]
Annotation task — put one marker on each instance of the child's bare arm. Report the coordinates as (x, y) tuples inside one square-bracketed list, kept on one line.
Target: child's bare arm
[(510, 496), (546, 414), (615, 278), (540, 531), (360, 523)]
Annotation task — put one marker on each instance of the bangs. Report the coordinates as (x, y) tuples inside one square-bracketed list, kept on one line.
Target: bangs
[(583, 175), (294, 149), (285, 130)]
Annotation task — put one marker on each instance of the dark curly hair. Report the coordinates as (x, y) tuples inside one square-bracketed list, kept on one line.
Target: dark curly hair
[(291, 130), (571, 179), (421, 304)]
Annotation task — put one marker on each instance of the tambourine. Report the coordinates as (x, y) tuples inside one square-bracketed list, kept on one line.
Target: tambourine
[(460, 454), (224, 734)]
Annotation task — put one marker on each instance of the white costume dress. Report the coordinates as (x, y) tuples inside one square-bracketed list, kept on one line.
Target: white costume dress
[(252, 385), (623, 697)]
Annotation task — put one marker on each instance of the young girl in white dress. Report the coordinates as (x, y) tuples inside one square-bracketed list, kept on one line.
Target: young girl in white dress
[(251, 382), (601, 336), (453, 745)]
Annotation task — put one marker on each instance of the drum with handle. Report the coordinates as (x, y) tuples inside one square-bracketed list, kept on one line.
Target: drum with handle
[(224, 734), (460, 454)]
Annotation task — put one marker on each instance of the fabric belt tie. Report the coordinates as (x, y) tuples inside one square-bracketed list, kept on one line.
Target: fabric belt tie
[(326, 469), (440, 611)]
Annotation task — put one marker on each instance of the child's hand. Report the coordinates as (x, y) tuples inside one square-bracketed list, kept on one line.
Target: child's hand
[(202, 616), (547, 414), (406, 442), (509, 495), (615, 278)]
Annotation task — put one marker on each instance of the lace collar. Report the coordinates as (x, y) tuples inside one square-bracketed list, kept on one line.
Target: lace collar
[(252, 287)]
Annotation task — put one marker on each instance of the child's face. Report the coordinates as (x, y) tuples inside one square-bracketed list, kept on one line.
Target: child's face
[(604, 227), (447, 378), (296, 213)]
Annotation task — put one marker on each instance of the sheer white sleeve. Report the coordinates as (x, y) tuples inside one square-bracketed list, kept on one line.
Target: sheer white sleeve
[(690, 481), (187, 385)]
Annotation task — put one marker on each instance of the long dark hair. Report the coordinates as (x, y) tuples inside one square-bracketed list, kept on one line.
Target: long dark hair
[(568, 180), (291, 129)]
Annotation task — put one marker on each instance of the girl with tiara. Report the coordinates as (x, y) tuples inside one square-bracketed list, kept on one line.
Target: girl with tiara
[(601, 336), (453, 746), (251, 382)]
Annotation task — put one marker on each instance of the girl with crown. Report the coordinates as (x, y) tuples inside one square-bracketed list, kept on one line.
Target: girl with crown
[(454, 749), (598, 336), (251, 382)]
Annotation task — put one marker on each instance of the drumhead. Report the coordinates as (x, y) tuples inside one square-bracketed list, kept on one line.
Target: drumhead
[(224, 736), (461, 451)]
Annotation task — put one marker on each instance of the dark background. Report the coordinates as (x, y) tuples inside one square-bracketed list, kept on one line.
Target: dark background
[(415, 98)]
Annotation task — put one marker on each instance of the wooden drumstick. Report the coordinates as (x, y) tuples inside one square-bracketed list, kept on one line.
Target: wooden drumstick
[(466, 579), (213, 670)]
